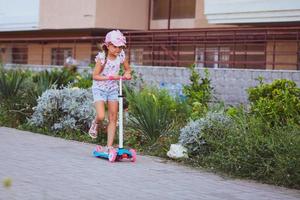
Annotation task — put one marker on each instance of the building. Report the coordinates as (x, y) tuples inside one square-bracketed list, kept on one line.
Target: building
[(211, 33)]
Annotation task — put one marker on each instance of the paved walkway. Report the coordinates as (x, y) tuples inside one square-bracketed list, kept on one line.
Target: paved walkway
[(48, 168)]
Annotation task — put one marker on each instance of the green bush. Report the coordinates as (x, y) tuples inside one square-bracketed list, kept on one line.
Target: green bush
[(198, 93), (59, 77), (253, 150), (65, 110), (10, 83), (20, 89), (13, 105), (152, 112), (276, 103), (134, 139), (197, 135), (83, 81)]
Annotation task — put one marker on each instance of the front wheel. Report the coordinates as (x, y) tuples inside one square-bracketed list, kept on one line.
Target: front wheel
[(133, 155), (112, 155)]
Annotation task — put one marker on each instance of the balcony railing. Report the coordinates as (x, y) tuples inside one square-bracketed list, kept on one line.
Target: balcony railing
[(257, 47)]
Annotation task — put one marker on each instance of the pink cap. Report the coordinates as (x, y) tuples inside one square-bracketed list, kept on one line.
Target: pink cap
[(116, 38)]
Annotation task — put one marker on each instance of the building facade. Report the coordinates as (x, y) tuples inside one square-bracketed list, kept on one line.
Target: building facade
[(209, 33)]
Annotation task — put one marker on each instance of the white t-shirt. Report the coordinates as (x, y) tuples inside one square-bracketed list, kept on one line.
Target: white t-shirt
[(111, 68)]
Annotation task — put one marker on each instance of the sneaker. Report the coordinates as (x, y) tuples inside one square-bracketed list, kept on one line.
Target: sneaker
[(93, 132), (104, 149), (100, 148), (109, 149)]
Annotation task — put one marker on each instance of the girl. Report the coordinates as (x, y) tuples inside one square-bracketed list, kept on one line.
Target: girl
[(105, 88)]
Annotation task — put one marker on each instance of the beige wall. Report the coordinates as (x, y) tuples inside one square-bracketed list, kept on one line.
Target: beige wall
[(282, 47), (129, 14), (83, 52), (35, 54), (66, 14), (110, 14)]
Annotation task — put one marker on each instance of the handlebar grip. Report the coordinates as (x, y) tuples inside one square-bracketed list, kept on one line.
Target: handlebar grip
[(113, 78)]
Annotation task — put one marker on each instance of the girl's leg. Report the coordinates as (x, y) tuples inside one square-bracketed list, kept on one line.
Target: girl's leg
[(100, 114), (112, 116), (100, 111)]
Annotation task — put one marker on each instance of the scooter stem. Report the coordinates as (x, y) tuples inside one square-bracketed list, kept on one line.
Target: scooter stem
[(120, 114)]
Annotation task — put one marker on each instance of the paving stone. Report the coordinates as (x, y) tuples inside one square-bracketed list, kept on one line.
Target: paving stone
[(49, 168)]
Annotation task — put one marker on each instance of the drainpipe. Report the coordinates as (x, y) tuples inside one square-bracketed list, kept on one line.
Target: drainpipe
[(149, 14), (169, 17)]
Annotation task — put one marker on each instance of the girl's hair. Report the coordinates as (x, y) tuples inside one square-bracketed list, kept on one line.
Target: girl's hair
[(105, 50)]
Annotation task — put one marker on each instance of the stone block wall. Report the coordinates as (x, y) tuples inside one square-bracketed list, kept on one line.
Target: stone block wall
[(230, 85)]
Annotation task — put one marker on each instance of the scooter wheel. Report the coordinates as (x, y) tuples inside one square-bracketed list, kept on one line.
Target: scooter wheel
[(112, 155), (133, 155)]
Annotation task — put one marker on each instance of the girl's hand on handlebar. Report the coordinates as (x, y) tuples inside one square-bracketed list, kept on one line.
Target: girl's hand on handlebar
[(127, 76), (115, 77)]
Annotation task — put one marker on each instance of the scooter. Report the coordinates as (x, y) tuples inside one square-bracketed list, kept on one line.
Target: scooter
[(117, 154)]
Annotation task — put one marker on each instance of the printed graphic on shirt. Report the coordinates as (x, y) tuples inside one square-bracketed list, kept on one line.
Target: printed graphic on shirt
[(111, 68)]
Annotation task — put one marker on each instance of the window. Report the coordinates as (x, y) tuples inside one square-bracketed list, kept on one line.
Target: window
[(212, 57), (160, 9), (59, 55), (19, 55), (180, 9), (183, 9)]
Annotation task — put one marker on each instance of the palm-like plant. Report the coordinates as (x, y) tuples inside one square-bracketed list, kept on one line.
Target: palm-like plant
[(10, 83), (150, 112), (45, 80)]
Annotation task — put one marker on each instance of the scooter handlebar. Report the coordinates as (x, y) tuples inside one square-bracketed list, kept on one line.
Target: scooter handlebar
[(121, 77)]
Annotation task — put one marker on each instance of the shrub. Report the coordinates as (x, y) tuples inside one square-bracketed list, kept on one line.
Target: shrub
[(198, 93), (10, 83), (13, 105), (195, 134), (152, 112), (276, 103), (58, 77), (64, 110), (136, 83), (255, 150), (191, 136), (83, 81), (20, 89)]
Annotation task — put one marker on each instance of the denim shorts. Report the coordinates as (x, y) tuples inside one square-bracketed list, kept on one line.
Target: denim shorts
[(105, 95)]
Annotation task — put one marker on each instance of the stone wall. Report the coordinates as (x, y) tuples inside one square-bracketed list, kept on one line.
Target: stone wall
[(230, 85)]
